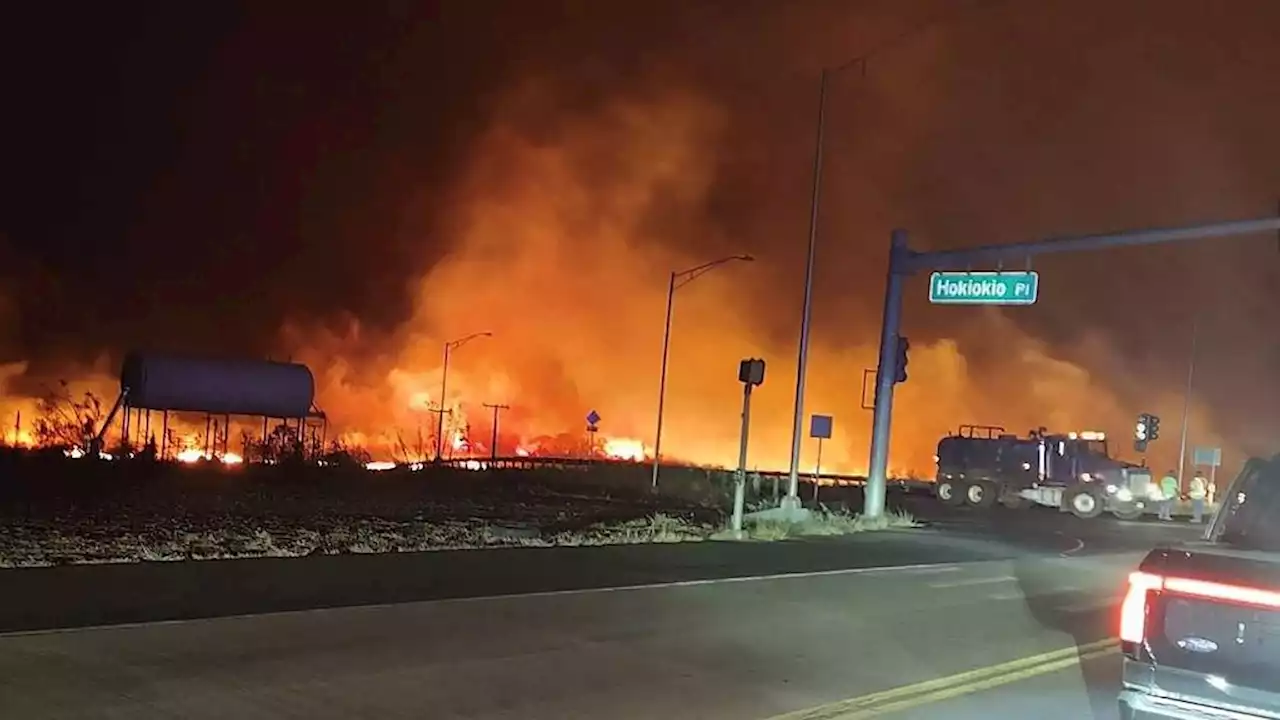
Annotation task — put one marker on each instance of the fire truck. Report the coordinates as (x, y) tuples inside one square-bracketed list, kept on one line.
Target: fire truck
[(982, 465)]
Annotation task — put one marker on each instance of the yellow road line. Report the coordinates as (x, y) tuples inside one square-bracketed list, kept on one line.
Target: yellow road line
[(931, 691), (961, 690)]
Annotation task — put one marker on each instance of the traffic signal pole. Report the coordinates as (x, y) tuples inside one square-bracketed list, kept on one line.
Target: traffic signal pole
[(873, 491), (903, 262)]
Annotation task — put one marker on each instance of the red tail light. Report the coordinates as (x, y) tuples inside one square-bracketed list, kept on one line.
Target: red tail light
[(1238, 594), (1133, 612)]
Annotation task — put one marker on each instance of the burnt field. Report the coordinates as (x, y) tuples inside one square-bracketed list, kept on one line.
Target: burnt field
[(56, 510)]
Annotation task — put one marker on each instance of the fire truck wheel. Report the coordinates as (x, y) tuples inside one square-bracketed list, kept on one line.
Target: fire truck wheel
[(980, 494), (1083, 503), (948, 492)]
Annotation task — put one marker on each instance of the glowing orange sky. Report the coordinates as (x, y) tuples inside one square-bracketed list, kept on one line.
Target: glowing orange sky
[(555, 253), (567, 214)]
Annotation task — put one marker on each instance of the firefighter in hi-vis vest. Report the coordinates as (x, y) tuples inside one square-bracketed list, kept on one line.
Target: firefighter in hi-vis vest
[(1198, 492), (1168, 494)]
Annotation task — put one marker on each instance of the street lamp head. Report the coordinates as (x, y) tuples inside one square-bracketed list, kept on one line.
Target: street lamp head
[(466, 339), (745, 258)]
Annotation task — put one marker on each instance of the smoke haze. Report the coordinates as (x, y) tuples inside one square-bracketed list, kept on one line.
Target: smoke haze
[(537, 175)]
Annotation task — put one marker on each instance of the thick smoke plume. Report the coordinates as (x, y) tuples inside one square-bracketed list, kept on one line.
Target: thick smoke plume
[(576, 197), (563, 229)]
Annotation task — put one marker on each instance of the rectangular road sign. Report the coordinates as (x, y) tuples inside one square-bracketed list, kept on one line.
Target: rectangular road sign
[(984, 288), (820, 427), (1207, 457)]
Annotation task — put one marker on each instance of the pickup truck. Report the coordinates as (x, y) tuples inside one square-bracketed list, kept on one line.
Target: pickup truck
[(1200, 623)]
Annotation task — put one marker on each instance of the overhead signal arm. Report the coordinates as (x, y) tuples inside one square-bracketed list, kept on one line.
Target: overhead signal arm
[(903, 261), (913, 261)]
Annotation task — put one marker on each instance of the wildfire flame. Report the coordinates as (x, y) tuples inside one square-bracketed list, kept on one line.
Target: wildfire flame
[(191, 455), (21, 438), (551, 227), (624, 449)]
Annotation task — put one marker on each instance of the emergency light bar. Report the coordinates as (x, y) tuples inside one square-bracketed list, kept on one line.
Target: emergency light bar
[(1087, 435)]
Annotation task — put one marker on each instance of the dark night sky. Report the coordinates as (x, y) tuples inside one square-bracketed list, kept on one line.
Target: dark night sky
[(170, 163), (196, 175)]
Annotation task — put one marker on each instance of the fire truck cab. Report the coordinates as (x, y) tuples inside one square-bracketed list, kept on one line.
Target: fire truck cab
[(982, 465)]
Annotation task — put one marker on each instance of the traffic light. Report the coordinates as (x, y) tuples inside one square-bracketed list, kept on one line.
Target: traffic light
[(900, 366), (1153, 426), (751, 371), (1142, 433)]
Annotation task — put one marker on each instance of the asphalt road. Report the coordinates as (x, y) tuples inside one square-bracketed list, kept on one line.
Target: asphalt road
[(706, 631), (76, 596), (1047, 529), (42, 598), (1082, 691)]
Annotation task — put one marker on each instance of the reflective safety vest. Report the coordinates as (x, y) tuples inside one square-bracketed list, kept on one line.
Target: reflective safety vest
[(1169, 487), (1198, 488)]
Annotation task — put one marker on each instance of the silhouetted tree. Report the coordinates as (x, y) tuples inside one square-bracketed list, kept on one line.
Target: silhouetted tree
[(341, 454), (63, 420), (282, 444)]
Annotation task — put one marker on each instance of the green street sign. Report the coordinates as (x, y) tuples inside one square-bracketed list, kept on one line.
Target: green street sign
[(984, 288)]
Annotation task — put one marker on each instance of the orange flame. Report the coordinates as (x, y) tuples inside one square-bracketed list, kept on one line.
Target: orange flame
[(624, 449), (556, 225)]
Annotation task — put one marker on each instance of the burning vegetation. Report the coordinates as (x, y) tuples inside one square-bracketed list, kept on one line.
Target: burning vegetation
[(70, 423), (561, 230)]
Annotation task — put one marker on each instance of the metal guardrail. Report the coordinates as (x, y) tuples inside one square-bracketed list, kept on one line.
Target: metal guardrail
[(569, 463)]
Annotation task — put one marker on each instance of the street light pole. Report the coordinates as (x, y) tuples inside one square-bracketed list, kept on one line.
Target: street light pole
[(792, 501), (677, 281), (662, 379), (1186, 398), (802, 356), (444, 379)]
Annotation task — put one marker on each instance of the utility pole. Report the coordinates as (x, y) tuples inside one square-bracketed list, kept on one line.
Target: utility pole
[(903, 262), (493, 444)]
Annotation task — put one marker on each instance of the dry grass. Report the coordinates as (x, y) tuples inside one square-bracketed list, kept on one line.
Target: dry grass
[(53, 544), (826, 522), (55, 511), (656, 529), (48, 545)]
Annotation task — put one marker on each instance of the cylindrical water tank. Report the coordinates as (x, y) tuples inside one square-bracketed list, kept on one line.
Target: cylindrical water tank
[(234, 387)]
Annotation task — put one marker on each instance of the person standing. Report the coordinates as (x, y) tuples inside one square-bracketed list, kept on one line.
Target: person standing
[(1198, 491), (1168, 494)]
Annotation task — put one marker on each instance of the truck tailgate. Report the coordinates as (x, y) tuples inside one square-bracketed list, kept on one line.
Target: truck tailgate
[(1214, 626)]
